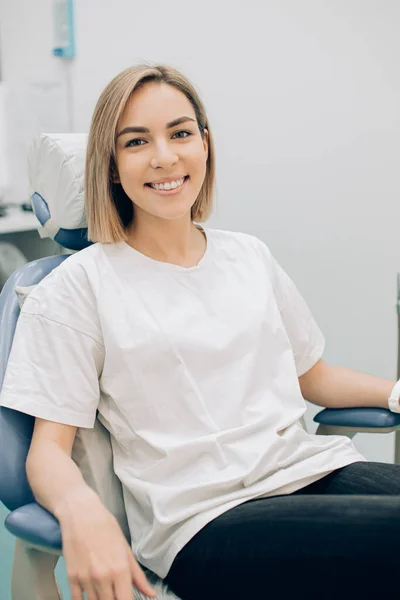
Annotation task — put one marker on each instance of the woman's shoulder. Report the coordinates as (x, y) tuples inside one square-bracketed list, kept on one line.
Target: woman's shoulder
[(69, 291), (239, 241), (78, 269)]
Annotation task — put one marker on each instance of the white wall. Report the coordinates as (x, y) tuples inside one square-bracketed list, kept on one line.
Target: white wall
[(303, 102)]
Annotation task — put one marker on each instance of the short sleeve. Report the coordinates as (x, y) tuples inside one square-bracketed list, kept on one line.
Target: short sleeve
[(56, 358), (306, 338)]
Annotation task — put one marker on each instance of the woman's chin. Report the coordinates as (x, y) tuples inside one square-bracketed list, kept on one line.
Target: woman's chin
[(172, 210)]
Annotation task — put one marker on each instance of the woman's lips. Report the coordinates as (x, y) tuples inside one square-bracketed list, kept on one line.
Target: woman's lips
[(169, 192)]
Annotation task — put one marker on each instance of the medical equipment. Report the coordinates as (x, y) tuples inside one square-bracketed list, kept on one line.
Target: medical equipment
[(64, 37)]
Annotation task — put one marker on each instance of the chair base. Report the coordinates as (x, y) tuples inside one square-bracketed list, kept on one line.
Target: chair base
[(397, 448), (33, 574)]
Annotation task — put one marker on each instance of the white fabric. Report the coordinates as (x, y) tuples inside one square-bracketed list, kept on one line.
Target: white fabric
[(393, 400), (56, 164), (23, 292), (194, 371)]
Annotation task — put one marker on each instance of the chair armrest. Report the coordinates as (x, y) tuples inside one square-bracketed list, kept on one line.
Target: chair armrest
[(34, 524), (362, 417)]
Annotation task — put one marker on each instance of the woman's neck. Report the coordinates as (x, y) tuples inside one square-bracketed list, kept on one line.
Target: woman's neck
[(180, 243)]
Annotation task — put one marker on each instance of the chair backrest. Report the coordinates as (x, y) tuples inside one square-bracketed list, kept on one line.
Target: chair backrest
[(16, 427), (92, 447)]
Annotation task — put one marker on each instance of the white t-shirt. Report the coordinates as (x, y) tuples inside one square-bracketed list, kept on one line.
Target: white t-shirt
[(194, 371)]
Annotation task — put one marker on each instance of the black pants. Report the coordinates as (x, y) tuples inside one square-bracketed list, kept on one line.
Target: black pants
[(336, 538)]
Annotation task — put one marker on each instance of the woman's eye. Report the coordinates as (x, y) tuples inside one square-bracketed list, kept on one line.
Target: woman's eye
[(131, 143), (187, 132)]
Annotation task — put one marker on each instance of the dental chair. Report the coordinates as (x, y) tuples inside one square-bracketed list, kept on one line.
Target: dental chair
[(56, 165)]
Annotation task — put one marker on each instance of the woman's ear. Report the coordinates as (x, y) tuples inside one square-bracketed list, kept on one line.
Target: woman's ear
[(205, 142), (114, 173)]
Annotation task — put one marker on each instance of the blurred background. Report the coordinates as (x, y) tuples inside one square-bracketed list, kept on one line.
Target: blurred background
[(303, 99)]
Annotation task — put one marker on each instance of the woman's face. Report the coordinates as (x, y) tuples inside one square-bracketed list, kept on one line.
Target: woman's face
[(151, 148)]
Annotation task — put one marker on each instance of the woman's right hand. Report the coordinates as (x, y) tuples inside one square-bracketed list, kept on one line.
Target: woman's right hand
[(98, 558)]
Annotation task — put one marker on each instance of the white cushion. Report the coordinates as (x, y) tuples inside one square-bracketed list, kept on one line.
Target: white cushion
[(92, 453), (56, 165)]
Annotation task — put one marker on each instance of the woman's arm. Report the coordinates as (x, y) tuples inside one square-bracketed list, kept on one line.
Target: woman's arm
[(97, 555), (52, 474), (338, 387)]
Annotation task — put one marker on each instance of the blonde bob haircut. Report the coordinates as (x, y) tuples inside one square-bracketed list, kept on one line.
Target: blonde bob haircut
[(109, 210)]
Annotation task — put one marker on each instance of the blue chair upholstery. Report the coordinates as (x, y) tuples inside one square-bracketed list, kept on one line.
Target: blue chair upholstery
[(359, 418), (73, 240), (34, 524), (28, 520)]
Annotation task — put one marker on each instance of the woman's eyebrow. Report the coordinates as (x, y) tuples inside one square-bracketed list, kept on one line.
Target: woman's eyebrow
[(137, 129)]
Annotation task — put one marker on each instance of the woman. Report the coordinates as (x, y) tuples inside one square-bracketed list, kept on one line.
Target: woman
[(197, 351)]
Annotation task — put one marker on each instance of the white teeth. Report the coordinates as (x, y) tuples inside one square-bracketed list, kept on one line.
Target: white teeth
[(171, 185)]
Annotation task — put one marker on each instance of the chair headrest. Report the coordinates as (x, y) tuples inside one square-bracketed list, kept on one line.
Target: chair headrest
[(56, 164)]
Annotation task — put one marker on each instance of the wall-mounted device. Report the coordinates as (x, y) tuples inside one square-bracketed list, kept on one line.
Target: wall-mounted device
[(64, 38)]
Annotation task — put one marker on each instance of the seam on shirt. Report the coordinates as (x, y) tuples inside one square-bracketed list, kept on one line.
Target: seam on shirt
[(26, 313), (42, 411), (313, 358)]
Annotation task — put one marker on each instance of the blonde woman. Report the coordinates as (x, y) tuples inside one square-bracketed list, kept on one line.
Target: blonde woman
[(197, 350)]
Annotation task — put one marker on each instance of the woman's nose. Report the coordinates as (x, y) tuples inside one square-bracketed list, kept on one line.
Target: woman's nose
[(163, 156)]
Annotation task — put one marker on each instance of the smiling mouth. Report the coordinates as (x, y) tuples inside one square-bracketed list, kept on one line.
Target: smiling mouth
[(184, 180)]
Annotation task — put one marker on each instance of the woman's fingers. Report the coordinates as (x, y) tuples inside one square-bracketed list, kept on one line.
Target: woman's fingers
[(103, 590), (91, 593), (76, 590), (139, 578), (123, 589)]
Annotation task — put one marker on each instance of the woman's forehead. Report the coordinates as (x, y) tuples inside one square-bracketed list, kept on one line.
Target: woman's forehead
[(155, 103)]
